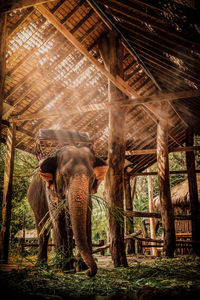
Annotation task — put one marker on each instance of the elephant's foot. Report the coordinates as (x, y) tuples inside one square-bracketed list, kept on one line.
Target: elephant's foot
[(80, 265)]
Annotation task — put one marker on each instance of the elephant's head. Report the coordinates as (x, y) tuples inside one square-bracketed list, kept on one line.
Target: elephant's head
[(74, 173)]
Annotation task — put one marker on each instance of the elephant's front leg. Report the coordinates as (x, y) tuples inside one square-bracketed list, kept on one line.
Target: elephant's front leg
[(62, 230), (43, 238), (63, 238)]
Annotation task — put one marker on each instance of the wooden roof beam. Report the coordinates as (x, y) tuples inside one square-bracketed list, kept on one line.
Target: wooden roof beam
[(154, 151), (123, 86), (156, 173), (103, 106), (21, 130), (120, 83), (9, 5)]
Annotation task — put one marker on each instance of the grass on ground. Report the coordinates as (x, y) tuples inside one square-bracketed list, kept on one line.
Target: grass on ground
[(159, 273)]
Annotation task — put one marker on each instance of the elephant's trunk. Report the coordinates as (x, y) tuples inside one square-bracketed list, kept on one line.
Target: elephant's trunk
[(78, 198)]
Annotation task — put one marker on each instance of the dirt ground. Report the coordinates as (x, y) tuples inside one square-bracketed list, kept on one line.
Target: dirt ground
[(104, 262)]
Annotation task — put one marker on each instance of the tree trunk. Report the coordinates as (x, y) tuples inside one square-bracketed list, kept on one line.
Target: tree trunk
[(193, 192), (3, 23), (112, 54), (164, 188), (130, 244), (7, 193)]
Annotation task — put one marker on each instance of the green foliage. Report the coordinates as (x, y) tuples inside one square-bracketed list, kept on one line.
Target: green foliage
[(24, 166), (99, 215), (161, 274)]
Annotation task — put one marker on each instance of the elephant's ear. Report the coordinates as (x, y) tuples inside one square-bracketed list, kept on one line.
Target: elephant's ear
[(47, 169), (100, 170)]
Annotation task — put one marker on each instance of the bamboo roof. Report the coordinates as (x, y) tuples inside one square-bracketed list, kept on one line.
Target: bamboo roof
[(55, 77)]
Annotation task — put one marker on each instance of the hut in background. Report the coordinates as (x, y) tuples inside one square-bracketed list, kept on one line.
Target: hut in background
[(181, 205)]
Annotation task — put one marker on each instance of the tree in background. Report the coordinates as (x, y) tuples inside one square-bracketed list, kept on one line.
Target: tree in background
[(24, 166)]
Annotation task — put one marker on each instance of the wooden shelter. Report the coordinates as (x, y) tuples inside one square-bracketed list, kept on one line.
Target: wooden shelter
[(180, 196), (55, 73), (181, 205)]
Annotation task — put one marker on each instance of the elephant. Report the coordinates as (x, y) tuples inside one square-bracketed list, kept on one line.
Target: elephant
[(62, 188)]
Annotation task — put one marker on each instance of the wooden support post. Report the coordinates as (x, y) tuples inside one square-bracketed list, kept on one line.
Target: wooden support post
[(152, 220), (3, 23), (164, 188), (193, 192), (7, 193), (112, 53), (129, 220)]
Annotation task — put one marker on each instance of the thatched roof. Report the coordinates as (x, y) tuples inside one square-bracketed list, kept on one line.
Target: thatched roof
[(179, 194), (29, 234), (50, 83)]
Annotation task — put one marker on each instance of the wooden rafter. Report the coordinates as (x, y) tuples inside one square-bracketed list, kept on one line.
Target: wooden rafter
[(9, 5), (117, 81), (103, 106), (21, 130)]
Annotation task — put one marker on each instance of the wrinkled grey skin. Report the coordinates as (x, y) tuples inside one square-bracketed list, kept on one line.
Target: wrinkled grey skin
[(74, 177)]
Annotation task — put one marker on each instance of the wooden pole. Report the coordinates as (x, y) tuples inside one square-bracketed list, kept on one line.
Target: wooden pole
[(112, 53), (130, 244), (152, 220), (193, 192), (7, 193), (164, 188), (3, 23)]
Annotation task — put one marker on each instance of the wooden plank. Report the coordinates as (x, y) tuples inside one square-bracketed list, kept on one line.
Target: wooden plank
[(164, 187), (7, 193), (186, 149), (144, 214), (156, 173), (112, 53), (154, 151), (3, 26), (141, 152), (127, 237), (9, 5), (193, 191)]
